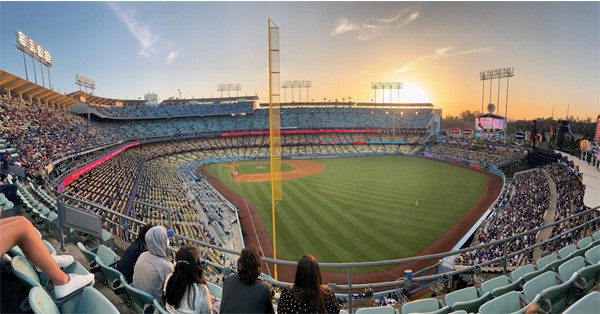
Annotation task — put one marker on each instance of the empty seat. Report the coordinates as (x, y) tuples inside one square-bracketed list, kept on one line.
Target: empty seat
[(583, 243), (215, 290), (588, 304), (507, 303), (578, 266), (140, 300), (430, 305), (548, 286), (91, 259), (89, 301), (500, 285), (159, 308), (567, 250), (376, 310), (467, 299), (593, 254)]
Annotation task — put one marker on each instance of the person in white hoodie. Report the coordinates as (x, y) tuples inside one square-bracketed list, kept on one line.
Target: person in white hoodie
[(153, 267)]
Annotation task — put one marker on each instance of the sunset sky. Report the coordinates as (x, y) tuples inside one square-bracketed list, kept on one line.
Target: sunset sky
[(437, 50)]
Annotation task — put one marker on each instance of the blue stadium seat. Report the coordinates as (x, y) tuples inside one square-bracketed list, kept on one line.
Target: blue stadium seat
[(578, 266), (91, 259), (430, 305), (467, 299), (593, 254), (141, 301), (588, 304), (500, 285), (159, 308), (89, 301), (548, 286), (376, 310), (508, 303)]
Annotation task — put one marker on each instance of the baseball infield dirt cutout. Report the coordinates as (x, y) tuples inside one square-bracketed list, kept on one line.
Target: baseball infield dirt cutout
[(301, 168)]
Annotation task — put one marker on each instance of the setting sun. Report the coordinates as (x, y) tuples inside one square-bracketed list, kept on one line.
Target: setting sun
[(411, 93)]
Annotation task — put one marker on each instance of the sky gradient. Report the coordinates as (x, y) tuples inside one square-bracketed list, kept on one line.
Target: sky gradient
[(437, 49)]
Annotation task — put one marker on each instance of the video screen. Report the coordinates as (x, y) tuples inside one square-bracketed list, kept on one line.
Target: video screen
[(489, 124)]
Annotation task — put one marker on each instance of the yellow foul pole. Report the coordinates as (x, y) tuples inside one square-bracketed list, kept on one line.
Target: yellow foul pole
[(274, 129)]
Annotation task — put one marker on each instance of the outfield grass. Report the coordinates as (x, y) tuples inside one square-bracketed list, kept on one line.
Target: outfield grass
[(363, 209)]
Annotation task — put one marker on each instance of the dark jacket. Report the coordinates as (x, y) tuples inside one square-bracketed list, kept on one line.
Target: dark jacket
[(126, 263)]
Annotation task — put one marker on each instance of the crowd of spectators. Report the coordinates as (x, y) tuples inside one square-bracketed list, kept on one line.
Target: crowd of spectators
[(570, 192), (481, 152), (40, 134), (525, 211)]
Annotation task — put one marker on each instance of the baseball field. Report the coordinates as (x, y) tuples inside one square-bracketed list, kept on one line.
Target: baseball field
[(357, 209)]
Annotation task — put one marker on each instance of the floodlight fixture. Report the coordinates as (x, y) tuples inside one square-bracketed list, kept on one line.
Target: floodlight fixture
[(386, 85), (499, 74), (85, 82), (28, 46)]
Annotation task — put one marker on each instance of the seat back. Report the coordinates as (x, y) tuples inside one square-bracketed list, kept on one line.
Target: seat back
[(558, 294), (91, 301), (106, 255), (521, 271), (587, 304), (507, 303), (544, 261), (564, 252), (159, 308), (139, 299), (113, 277), (215, 290), (90, 257), (596, 235), (566, 270), (423, 305), (462, 295), (376, 310), (25, 272), (539, 283), (49, 247), (40, 302), (593, 254), (584, 242), (500, 285)]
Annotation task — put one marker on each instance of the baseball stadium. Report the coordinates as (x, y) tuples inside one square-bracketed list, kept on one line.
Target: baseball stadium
[(404, 210)]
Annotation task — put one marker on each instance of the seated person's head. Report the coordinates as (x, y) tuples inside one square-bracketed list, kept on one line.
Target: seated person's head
[(188, 271), (249, 265), (308, 273), (157, 241), (144, 230)]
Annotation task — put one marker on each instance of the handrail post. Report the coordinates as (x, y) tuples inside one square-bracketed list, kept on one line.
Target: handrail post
[(350, 289), (505, 261), (61, 217)]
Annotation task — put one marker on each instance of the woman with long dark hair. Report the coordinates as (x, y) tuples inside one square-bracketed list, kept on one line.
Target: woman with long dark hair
[(186, 290), (244, 292), (307, 295)]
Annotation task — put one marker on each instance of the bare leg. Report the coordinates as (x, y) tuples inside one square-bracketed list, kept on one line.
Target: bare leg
[(19, 231)]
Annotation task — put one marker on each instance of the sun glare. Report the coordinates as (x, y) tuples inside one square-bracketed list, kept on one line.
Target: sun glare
[(411, 93)]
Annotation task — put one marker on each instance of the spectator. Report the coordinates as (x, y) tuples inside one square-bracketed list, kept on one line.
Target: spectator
[(10, 191), (19, 231), (127, 262), (307, 295), (186, 290), (244, 292), (152, 267)]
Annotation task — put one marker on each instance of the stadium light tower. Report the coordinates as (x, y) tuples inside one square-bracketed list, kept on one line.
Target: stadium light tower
[(386, 85), (490, 75), (307, 85), (29, 46), (85, 82)]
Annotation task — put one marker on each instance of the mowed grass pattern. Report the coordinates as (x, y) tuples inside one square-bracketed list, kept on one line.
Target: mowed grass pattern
[(363, 209)]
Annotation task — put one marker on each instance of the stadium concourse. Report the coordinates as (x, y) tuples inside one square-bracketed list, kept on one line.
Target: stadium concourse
[(138, 164)]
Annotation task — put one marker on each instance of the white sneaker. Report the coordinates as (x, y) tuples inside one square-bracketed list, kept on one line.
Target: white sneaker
[(75, 283), (63, 260)]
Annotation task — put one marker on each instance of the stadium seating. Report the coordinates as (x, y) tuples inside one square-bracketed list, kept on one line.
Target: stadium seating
[(467, 299), (88, 301), (140, 300), (507, 303), (578, 266), (549, 286), (376, 310), (593, 254), (588, 304), (93, 266), (500, 285), (430, 305), (159, 308)]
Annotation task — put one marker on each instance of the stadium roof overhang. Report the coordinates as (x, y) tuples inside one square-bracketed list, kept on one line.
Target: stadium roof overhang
[(26, 90), (353, 105), (84, 97), (209, 100)]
